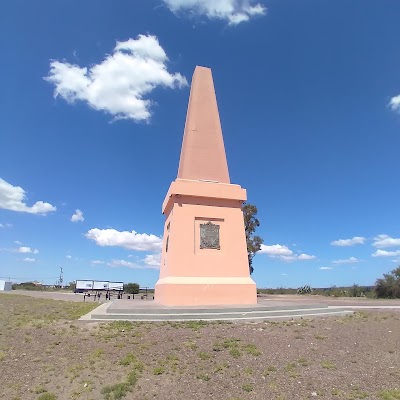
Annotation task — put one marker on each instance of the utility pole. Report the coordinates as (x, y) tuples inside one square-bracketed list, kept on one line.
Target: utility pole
[(61, 280)]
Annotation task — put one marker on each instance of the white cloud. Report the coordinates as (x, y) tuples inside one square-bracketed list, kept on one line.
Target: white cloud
[(97, 262), (350, 260), (284, 253), (153, 260), (120, 83), (384, 253), (305, 257), (284, 274), (233, 11), (68, 256), (5, 225), (13, 198), (78, 216), (24, 249), (123, 263), (382, 241), (128, 240), (394, 103), (275, 250), (348, 242), (27, 259), (325, 268)]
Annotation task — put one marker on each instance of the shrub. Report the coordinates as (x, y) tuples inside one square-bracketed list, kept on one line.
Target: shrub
[(389, 285), (305, 290)]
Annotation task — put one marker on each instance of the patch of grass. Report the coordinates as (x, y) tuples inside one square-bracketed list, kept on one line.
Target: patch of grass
[(203, 377), (393, 394), (128, 359), (235, 352), (2, 355), (321, 337), (269, 370), (40, 389), (229, 343), (290, 368), (74, 372), (357, 394), (203, 355), (303, 362), (158, 370), (47, 396), (251, 349), (195, 325), (191, 345), (328, 365), (247, 387), (120, 390), (121, 326)]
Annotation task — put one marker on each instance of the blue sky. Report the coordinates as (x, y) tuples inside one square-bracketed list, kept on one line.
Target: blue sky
[(308, 98)]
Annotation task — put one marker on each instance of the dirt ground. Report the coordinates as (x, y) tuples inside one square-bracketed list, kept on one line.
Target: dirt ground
[(45, 353)]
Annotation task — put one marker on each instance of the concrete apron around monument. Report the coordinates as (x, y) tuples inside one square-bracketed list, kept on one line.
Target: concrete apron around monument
[(149, 311)]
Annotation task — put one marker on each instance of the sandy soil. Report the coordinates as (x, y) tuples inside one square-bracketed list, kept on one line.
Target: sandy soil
[(44, 351)]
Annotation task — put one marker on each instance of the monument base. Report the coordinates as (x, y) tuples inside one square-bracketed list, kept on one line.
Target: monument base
[(205, 291)]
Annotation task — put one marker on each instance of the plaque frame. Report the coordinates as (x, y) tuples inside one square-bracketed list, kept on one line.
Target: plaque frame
[(209, 236)]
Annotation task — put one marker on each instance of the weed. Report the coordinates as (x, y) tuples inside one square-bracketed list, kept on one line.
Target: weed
[(393, 394), (120, 390), (47, 396), (228, 343), (158, 370), (128, 359), (2, 355), (269, 370), (328, 365), (251, 349), (40, 389), (247, 387), (203, 377), (321, 337), (303, 362), (357, 394), (203, 355), (122, 326), (235, 352)]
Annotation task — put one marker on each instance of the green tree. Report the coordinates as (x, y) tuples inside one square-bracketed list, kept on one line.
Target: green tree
[(389, 285), (251, 223), (131, 288)]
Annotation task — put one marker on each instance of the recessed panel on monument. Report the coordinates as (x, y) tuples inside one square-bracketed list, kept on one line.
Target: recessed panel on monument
[(204, 257)]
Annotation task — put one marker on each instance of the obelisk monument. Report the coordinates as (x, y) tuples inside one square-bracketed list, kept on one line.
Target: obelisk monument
[(204, 256)]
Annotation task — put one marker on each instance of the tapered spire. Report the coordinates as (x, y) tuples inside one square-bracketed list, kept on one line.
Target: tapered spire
[(203, 152)]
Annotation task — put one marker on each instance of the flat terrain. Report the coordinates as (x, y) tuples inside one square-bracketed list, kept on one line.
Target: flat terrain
[(45, 351)]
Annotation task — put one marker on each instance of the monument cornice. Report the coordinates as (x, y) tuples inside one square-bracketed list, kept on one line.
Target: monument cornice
[(206, 189)]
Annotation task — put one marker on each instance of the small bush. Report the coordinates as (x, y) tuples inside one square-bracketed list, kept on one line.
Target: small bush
[(389, 285), (305, 290)]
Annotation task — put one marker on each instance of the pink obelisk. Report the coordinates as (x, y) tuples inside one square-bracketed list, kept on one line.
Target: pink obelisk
[(204, 255)]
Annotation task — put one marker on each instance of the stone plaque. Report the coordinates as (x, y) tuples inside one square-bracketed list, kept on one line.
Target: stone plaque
[(209, 236)]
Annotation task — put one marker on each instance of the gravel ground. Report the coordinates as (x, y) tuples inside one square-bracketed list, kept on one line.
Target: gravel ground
[(44, 350)]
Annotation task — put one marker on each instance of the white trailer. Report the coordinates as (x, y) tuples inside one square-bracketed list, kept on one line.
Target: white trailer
[(118, 286), (100, 285), (84, 285), (5, 286)]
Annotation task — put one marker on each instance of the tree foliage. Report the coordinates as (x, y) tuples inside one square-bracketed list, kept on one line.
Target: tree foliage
[(251, 223), (131, 288), (389, 285)]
